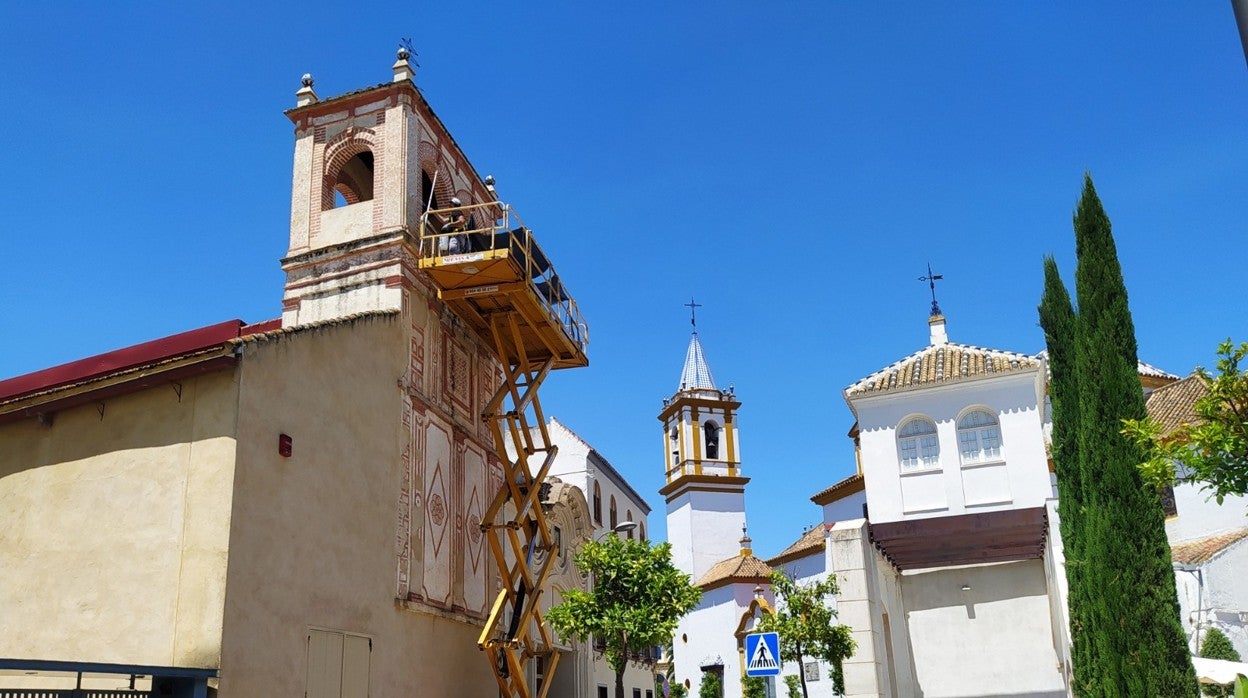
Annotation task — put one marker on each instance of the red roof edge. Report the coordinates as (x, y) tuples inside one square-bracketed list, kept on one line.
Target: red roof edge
[(129, 357)]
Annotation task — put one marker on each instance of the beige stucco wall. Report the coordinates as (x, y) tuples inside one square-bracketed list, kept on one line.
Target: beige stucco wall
[(314, 541), (113, 528)]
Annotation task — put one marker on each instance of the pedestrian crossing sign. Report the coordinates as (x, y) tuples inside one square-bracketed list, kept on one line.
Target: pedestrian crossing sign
[(762, 654)]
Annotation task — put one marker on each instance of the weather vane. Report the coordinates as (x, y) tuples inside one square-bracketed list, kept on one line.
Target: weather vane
[(693, 306), (405, 45), (931, 280)]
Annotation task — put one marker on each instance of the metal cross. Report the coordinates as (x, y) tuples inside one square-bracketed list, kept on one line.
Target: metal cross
[(931, 280), (693, 306)]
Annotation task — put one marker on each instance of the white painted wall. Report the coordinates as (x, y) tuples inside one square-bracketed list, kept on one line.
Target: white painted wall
[(1216, 595), (845, 509), (993, 639), (703, 528), (706, 636), (1019, 480), (1200, 516)]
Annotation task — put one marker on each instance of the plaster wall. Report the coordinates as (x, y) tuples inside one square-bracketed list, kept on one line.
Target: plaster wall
[(845, 509), (992, 639), (701, 527), (577, 465), (314, 543), (113, 546), (870, 603), (1216, 595), (1199, 516), (706, 636), (1019, 479)]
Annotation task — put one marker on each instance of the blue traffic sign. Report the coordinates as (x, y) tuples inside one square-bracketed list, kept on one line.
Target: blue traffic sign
[(762, 654)]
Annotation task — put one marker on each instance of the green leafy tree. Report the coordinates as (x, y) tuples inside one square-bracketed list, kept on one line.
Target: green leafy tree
[(1130, 611), (1214, 451), (806, 625), (754, 687), (677, 690), (793, 686), (1216, 645), (711, 686), (637, 598), (1059, 322)]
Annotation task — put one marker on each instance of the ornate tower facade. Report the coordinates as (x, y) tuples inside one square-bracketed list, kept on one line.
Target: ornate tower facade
[(704, 489), (367, 164)]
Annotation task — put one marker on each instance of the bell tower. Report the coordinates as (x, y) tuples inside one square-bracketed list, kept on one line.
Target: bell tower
[(705, 490), (366, 166)]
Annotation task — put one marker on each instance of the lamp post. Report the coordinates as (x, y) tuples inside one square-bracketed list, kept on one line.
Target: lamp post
[(621, 527)]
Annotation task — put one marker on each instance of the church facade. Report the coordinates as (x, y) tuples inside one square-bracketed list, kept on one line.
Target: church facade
[(286, 508)]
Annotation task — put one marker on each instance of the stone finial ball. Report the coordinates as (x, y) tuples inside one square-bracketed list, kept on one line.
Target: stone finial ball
[(307, 79), (403, 53)]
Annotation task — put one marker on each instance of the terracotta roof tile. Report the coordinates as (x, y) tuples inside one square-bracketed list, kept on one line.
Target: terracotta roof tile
[(1198, 551), (850, 485), (809, 542), (738, 568), (942, 363), (1172, 405)]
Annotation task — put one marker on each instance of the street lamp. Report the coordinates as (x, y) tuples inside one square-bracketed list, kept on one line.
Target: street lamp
[(622, 527)]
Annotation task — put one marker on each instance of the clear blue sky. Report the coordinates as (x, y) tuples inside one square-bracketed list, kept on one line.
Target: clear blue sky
[(793, 165)]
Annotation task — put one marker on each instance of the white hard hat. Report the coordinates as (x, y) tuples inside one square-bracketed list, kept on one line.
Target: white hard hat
[(455, 201)]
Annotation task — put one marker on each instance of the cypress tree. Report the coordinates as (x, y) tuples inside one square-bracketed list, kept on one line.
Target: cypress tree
[(1131, 611), (1057, 319)]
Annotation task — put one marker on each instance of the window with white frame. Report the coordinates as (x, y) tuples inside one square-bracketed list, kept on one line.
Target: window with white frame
[(979, 437), (917, 444)]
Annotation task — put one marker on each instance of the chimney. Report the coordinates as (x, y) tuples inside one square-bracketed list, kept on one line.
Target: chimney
[(936, 324)]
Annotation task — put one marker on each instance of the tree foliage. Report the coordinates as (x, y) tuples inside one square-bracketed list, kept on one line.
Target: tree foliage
[(793, 686), (637, 598), (1212, 452), (1058, 320), (754, 687), (711, 686), (1216, 645), (1128, 605), (807, 625)]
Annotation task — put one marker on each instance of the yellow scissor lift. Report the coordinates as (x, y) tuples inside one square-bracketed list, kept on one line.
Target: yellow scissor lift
[(491, 272)]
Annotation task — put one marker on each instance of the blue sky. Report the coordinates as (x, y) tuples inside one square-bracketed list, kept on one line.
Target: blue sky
[(794, 165)]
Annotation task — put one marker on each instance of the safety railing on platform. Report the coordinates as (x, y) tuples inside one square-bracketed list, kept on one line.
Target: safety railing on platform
[(458, 234)]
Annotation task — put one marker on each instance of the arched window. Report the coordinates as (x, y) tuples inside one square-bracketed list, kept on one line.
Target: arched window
[(711, 431), (628, 516), (614, 521), (353, 182), (917, 444), (979, 437), (597, 504), (641, 528)]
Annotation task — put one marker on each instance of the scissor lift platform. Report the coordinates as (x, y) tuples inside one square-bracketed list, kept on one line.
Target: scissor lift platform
[(493, 275), (485, 262)]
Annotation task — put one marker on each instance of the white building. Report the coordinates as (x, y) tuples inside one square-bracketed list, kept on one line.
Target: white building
[(611, 502), (1208, 541), (705, 495)]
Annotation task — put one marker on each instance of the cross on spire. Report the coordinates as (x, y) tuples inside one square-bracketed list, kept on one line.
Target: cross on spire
[(693, 306), (931, 280)]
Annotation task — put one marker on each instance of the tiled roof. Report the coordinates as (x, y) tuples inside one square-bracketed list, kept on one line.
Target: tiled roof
[(1172, 405), (1146, 370), (1150, 370), (942, 363), (696, 374), (850, 485), (1198, 551), (810, 542), (738, 568)]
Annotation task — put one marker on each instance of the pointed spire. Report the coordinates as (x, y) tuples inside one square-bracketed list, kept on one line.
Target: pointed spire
[(697, 374)]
